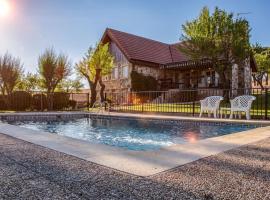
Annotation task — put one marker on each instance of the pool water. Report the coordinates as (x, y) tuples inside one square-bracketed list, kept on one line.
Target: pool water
[(132, 134)]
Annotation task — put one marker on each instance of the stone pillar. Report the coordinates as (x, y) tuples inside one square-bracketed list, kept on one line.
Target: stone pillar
[(216, 79), (234, 76), (247, 74)]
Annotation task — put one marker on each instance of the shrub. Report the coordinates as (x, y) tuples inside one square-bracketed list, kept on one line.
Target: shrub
[(72, 104), (60, 100), (20, 100), (141, 82), (39, 102), (3, 102)]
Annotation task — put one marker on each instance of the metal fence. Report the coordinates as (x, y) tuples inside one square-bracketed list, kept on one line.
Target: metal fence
[(41, 101), (186, 102)]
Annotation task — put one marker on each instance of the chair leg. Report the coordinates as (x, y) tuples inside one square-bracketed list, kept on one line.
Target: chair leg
[(215, 114), (231, 115), (247, 115), (201, 113)]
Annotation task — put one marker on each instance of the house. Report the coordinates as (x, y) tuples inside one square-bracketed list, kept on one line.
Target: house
[(164, 62)]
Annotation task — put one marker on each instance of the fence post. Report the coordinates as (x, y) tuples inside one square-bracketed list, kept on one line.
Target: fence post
[(41, 102), (266, 103), (193, 108), (88, 101), (105, 96)]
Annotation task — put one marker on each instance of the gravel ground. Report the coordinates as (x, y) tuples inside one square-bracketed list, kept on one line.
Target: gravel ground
[(29, 171)]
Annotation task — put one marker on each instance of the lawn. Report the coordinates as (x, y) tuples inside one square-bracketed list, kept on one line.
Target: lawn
[(187, 108)]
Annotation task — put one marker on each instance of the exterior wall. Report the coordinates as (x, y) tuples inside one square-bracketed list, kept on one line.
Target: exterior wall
[(194, 78), (120, 83), (116, 81), (149, 71)]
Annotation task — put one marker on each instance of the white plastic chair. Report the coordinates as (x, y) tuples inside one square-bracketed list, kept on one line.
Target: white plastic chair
[(211, 105), (242, 104)]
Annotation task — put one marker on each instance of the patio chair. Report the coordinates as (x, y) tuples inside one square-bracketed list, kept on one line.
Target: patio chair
[(211, 105), (242, 104)]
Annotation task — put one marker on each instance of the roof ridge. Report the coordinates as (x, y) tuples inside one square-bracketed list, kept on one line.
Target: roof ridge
[(117, 43), (110, 29)]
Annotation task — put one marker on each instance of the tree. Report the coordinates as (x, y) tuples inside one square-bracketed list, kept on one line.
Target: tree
[(29, 82), (53, 69), (220, 38), (262, 58), (11, 70), (96, 63), (69, 85)]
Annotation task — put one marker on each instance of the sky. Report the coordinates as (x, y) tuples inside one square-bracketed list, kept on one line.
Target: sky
[(71, 26)]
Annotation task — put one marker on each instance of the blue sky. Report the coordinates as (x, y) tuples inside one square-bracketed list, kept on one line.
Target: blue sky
[(71, 26)]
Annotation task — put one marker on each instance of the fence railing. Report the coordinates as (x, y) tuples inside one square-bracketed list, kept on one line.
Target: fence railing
[(180, 102), (186, 102), (41, 101)]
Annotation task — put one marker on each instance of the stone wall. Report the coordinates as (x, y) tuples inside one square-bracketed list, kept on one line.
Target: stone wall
[(243, 75), (118, 83)]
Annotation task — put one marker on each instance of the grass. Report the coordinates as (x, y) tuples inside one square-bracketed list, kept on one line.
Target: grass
[(177, 108)]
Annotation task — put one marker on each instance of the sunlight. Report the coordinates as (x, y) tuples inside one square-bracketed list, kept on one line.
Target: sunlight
[(191, 137), (4, 8)]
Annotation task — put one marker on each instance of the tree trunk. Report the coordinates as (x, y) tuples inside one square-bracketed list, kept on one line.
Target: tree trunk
[(93, 94), (94, 86), (50, 100), (225, 85), (102, 85)]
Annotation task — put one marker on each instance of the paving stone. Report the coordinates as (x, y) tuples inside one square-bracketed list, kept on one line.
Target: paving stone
[(29, 171)]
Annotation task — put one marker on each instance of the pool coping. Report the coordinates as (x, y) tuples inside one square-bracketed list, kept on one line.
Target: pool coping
[(141, 163)]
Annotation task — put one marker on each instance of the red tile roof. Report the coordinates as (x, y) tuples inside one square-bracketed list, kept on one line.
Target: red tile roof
[(143, 49), (137, 48)]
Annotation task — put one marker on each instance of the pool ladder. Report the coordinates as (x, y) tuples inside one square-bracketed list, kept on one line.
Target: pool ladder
[(101, 107)]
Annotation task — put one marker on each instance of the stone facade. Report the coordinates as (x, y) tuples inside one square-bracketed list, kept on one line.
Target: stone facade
[(120, 80), (244, 74)]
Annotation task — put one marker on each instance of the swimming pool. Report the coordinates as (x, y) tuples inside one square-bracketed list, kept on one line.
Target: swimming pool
[(133, 134)]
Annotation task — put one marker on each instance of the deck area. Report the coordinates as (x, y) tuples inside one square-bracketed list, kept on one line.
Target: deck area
[(29, 171)]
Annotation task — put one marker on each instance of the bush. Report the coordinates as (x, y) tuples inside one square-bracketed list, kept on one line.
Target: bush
[(3, 102), (141, 82), (39, 102), (72, 104), (60, 100), (20, 100)]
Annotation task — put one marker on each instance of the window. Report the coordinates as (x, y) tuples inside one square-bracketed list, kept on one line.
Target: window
[(125, 72), (115, 73)]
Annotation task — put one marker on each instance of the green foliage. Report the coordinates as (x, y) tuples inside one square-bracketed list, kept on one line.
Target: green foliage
[(20, 100), (11, 70), (96, 63), (98, 58), (140, 82), (220, 38), (262, 57), (30, 82), (53, 69), (69, 85)]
